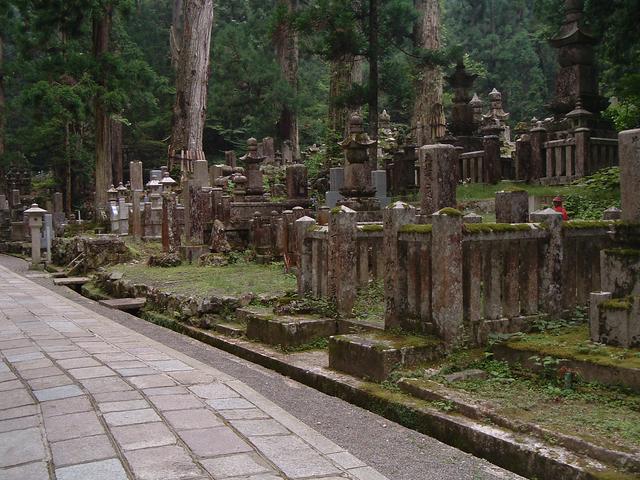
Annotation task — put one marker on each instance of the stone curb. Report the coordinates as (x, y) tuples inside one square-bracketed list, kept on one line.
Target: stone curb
[(519, 453)]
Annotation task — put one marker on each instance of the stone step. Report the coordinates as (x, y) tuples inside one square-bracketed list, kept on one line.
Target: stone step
[(59, 275), (230, 329), (289, 331), (125, 304), (374, 355), (71, 281)]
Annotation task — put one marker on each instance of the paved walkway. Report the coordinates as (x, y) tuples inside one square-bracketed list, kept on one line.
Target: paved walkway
[(85, 398)]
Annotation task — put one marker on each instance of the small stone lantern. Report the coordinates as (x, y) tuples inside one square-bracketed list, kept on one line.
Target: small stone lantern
[(35, 214), (167, 183), (113, 194), (122, 191)]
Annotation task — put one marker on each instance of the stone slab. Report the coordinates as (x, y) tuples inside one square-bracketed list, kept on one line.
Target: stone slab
[(71, 281), (125, 304), (289, 331)]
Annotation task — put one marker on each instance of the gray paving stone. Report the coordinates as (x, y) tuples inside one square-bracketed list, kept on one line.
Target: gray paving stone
[(123, 406), (31, 364), (56, 393), (170, 365), (22, 357), (154, 392), (17, 412), (294, 457), (128, 364), (115, 357), (245, 414), (230, 404), (162, 463), (192, 419), (214, 391), (21, 446), (146, 435), (31, 471), (49, 382), (72, 425), (152, 381), (209, 442), (68, 354), (176, 402), (91, 372), (131, 417), (366, 473), (105, 384), (66, 405), (117, 396), (136, 372), (79, 362), (41, 372), (81, 450), (192, 377), (103, 470), (346, 460), (252, 428), (15, 398), (235, 466), (4, 376), (19, 423), (10, 385)]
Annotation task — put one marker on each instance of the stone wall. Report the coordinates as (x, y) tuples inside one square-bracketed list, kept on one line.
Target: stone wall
[(99, 252)]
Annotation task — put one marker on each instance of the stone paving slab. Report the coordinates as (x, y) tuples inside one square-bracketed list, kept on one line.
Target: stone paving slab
[(82, 397)]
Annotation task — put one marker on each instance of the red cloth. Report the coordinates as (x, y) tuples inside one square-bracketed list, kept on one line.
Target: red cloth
[(563, 211)]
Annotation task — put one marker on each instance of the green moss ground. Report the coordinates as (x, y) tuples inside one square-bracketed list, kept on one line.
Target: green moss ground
[(479, 191), (235, 279)]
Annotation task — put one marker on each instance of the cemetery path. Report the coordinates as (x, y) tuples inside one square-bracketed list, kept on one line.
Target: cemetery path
[(92, 393)]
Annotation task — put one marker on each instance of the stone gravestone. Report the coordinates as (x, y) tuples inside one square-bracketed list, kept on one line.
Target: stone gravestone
[(629, 143), (59, 217), (200, 174), (297, 182), (438, 177), (512, 207), (48, 233), (336, 182), (379, 181)]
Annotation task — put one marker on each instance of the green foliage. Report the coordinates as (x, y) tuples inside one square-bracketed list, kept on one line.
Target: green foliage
[(594, 194)]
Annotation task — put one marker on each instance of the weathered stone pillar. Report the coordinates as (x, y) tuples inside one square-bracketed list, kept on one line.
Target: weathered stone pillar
[(136, 214), (269, 150), (438, 177), (304, 254), (343, 279), (170, 231), (14, 198), (492, 161), (200, 174), (523, 158), (595, 300), (583, 152), (35, 216), (336, 183), (538, 137), (230, 158), (395, 216), (551, 294), (512, 207), (297, 182), (123, 217), (446, 268), (136, 176), (629, 144)]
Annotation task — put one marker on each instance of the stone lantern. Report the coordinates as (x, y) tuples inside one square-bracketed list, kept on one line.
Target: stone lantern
[(579, 116), (253, 160), (167, 183), (357, 167), (112, 194), (121, 191), (35, 214)]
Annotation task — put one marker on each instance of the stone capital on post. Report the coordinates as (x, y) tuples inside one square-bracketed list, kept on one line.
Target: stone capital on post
[(447, 270), (629, 145), (343, 278), (395, 216)]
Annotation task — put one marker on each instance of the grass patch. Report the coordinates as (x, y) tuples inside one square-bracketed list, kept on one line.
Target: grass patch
[(481, 191), (237, 279), (318, 344), (369, 306)]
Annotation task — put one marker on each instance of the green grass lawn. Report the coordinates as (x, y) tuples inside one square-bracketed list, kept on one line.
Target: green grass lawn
[(481, 191), (237, 279)]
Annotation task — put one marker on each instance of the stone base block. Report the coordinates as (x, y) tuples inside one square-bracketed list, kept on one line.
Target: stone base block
[(617, 322), (230, 329), (484, 328), (289, 331), (375, 355), (191, 253)]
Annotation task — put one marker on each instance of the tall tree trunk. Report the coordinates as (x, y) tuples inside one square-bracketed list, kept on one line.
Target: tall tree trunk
[(175, 38), (3, 120), (104, 178), (288, 53), (117, 159), (428, 121), (189, 111), (373, 76), (67, 167)]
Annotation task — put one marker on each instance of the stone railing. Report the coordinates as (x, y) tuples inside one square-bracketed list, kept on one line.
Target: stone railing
[(471, 166), (454, 279)]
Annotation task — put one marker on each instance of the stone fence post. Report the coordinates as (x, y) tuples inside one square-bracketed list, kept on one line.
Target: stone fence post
[(512, 207), (446, 268), (523, 158), (551, 294), (492, 160), (395, 216), (438, 177), (343, 280), (537, 137), (304, 254), (583, 152)]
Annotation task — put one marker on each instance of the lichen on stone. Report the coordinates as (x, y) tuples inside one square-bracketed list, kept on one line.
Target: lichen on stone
[(475, 228), (451, 212), (412, 228), (618, 304), (372, 228)]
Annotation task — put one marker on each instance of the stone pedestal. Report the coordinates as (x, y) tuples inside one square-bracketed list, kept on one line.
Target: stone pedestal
[(438, 177), (343, 279), (629, 142), (492, 161), (512, 207)]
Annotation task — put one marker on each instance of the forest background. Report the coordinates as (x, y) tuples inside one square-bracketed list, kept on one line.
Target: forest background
[(52, 81)]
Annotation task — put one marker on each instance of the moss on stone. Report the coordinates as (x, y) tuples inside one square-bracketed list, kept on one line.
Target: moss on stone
[(412, 228), (451, 212), (475, 228), (618, 304), (314, 228), (624, 252), (399, 340), (372, 228), (587, 224), (336, 210)]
